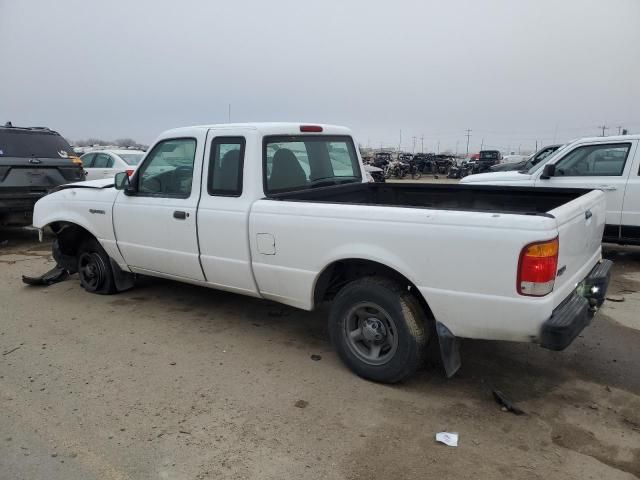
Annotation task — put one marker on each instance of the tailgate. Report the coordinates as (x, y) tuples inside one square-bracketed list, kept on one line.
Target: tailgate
[(580, 227), (38, 174)]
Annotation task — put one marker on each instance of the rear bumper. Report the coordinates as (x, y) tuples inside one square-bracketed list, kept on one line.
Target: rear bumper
[(577, 310), (19, 203)]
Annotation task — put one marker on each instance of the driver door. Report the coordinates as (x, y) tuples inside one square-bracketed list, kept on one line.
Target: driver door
[(155, 225), (601, 166)]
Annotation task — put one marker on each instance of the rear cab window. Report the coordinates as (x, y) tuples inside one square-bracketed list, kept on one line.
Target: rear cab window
[(299, 162)]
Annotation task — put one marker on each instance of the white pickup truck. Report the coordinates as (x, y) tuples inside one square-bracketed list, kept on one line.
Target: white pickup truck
[(611, 164), (281, 211)]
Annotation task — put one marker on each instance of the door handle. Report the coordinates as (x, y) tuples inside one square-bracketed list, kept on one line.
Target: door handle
[(608, 188), (180, 215)]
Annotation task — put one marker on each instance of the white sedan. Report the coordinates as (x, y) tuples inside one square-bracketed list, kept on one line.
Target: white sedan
[(106, 163)]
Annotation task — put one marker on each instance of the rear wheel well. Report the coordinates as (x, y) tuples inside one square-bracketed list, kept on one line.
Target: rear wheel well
[(342, 272)]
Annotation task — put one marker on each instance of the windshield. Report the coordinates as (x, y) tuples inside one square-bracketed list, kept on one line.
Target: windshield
[(131, 158), (308, 161), (29, 143)]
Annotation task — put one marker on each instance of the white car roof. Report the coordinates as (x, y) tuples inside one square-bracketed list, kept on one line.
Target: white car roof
[(115, 151)]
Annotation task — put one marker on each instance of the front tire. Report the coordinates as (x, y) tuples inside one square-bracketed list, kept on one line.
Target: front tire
[(379, 329), (94, 269)]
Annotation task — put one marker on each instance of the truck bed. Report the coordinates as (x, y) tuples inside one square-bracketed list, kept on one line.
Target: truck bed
[(481, 198)]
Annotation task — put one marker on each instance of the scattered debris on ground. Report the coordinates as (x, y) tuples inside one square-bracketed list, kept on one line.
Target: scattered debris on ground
[(507, 405)]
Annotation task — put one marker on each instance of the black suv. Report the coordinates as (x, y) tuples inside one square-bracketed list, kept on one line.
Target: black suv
[(32, 162)]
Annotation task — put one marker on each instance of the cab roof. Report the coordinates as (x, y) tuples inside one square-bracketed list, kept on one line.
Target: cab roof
[(264, 128)]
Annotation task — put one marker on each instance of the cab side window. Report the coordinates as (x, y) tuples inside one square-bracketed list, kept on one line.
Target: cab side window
[(226, 163), (594, 161), (168, 169)]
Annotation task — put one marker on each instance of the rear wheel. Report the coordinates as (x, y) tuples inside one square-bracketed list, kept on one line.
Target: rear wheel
[(94, 269), (378, 329)]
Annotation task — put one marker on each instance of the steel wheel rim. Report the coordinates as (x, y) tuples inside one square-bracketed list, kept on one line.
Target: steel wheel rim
[(370, 333), (92, 270)]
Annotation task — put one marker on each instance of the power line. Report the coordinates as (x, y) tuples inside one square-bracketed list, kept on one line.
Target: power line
[(468, 135)]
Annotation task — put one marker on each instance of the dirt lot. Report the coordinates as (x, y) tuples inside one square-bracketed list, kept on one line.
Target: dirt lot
[(173, 381)]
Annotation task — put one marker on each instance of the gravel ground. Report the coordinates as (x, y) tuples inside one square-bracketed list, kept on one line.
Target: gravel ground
[(173, 381)]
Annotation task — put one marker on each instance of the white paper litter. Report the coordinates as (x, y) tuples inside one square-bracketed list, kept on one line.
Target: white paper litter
[(448, 438)]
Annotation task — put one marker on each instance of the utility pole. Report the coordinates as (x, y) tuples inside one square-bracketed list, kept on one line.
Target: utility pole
[(414, 144), (536, 145), (438, 149), (422, 144), (603, 127), (400, 144), (229, 113), (482, 145), (619, 129), (468, 135), (457, 142)]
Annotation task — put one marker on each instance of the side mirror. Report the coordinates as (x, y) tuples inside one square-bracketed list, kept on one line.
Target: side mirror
[(123, 182), (548, 171)]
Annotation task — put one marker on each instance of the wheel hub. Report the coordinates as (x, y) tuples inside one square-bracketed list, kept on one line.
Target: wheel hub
[(370, 333), (373, 331)]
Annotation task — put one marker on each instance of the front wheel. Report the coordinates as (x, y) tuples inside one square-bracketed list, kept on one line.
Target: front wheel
[(94, 269), (379, 329)]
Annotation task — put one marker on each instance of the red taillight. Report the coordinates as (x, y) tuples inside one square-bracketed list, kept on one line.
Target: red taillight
[(129, 172), (310, 128), (537, 268)]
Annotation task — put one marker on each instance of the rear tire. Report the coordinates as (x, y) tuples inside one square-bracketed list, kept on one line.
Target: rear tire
[(379, 329), (94, 268)]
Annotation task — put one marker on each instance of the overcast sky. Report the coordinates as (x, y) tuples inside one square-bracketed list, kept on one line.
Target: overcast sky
[(512, 71)]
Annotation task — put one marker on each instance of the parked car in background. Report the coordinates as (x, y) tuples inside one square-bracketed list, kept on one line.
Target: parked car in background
[(513, 158), (610, 164), (282, 211), (106, 163), (526, 164), (486, 159), (33, 160), (382, 159), (376, 174)]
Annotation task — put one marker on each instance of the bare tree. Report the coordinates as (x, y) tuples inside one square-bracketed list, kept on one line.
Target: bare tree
[(125, 142)]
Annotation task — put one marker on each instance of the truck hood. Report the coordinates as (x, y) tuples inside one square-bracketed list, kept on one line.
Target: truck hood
[(497, 177), (87, 204), (101, 183)]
